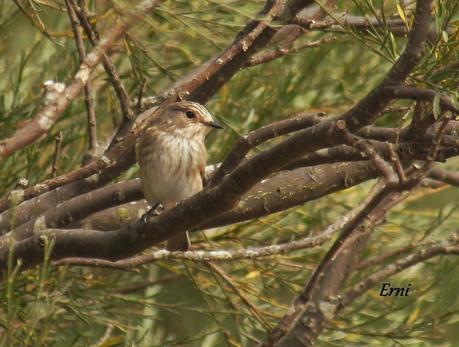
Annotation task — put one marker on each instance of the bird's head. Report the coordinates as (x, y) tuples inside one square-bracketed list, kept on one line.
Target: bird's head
[(187, 117)]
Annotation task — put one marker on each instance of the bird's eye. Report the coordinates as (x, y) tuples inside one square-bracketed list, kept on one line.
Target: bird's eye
[(190, 114)]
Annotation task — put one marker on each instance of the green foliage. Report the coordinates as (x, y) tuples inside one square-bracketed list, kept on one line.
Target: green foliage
[(192, 304)]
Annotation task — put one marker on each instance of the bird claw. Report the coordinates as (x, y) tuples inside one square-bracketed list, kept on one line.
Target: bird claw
[(153, 211), (157, 209)]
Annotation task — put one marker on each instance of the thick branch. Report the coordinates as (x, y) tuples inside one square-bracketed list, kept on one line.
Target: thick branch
[(409, 92), (80, 207), (367, 110), (254, 138), (249, 253), (446, 176), (277, 193)]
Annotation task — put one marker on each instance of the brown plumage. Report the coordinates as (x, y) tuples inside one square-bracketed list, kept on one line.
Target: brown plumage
[(172, 157)]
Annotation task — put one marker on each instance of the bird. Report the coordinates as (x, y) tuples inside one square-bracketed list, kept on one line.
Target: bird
[(172, 157)]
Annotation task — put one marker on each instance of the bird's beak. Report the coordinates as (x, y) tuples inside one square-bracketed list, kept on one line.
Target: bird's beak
[(214, 125)]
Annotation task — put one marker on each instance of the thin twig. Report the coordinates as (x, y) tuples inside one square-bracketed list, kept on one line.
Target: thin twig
[(57, 153), (372, 154), (339, 22), (397, 164), (89, 99), (138, 107), (421, 121), (107, 335), (118, 86), (436, 145), (235, 288), (266, 57), (417, 173), (36, 22), (381, 258)]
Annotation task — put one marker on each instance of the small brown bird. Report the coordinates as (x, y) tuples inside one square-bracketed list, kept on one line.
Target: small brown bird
[(172, 157)]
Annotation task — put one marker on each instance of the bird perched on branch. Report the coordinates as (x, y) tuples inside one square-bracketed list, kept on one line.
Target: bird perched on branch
[(172, 157)]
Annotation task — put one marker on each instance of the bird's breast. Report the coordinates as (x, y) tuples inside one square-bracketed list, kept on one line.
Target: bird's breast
[(170, 168)]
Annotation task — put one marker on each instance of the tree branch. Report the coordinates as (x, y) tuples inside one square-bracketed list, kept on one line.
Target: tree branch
[(415, 93), (220, 255), (256, 137), (449, 177), (57, 153), (80, 207)]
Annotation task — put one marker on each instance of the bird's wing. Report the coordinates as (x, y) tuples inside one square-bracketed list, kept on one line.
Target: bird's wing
[(202, 171)]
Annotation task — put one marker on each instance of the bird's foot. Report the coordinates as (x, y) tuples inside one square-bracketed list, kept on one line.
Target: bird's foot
[(154, 210)]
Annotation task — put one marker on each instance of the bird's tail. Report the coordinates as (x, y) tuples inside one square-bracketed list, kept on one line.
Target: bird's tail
[(179, 242)]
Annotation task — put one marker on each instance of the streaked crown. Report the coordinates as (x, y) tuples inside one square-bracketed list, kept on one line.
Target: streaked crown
[(191, 117)]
